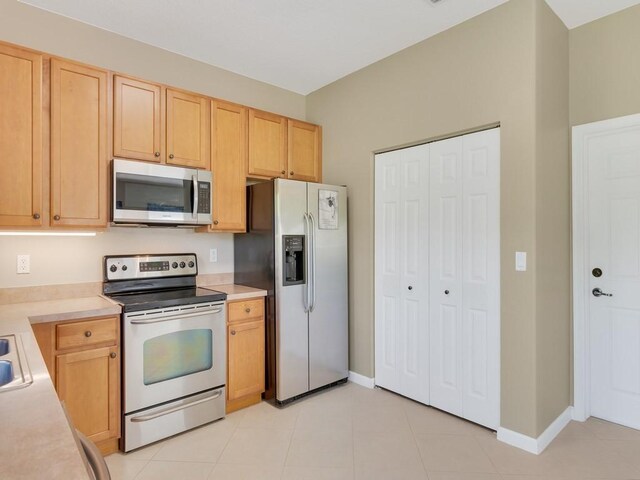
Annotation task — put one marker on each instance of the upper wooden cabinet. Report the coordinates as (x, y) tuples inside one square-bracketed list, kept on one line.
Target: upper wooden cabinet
[(187, 129), (304, 152), (267, 145), (228, 165), (157, 124), (79, 150), (137, 120), (21, 155)]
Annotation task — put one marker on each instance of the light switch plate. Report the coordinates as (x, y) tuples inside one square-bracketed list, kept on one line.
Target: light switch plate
[(213, 255), (521, 261)]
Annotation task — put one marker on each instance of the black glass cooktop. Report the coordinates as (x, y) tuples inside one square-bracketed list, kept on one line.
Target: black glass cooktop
[(135, 302)]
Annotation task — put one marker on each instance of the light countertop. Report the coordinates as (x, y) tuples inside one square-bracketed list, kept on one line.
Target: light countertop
[(37, 441), (237, 292)]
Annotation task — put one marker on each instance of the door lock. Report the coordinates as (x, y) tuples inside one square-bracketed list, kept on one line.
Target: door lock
[(599, 293)]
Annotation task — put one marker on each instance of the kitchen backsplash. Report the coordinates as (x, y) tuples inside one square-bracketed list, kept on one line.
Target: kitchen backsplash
[(73, 260)]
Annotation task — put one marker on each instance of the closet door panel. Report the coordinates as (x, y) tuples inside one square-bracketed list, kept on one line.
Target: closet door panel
[(401, 279), (481, 277), (445, 253)]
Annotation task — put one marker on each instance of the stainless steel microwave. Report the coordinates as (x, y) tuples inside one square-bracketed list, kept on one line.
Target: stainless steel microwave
[(146, 193)]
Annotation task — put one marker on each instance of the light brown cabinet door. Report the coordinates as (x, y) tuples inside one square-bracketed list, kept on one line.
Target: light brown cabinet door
[(267, 145), (20, 137), (228, 165), (187, 130), (137, 120), (79, 147), (304, 151), (87, 382), (246, 359)]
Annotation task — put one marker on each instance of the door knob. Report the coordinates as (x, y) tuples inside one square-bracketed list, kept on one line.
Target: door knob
[(233, 332), (36, 216), (599, 293), (56, 217), (113, 355), (171, 155), (156, 154)]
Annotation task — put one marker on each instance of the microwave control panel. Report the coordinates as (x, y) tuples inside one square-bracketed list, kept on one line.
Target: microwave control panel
[(204, 197)]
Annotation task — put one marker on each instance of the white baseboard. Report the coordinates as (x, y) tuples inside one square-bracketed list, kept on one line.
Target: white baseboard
[(536, 445), (361, 380)]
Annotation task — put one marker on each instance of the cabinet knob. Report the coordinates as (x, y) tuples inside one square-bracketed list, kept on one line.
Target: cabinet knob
[(247, 310), (87, 333), (157, 154), (233, 332), (171, 155), (36, 216), (215, 222), (56, 217), (283, 172), (446, 292), (410, 287), (291, 173), (113, 355)]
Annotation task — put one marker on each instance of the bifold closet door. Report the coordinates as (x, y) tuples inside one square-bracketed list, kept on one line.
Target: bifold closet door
[(464, 266), (401, 285)]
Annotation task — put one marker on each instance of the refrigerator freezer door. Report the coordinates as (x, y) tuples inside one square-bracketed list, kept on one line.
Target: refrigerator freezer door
[(292, 334), (328, 319)]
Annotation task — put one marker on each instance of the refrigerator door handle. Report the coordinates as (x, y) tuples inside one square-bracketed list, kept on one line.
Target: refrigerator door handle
[(313, 262), (307, 292)]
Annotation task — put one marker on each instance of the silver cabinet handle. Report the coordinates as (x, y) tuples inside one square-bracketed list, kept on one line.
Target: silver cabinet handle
[(599, 293), (151, 416), (313, 262)]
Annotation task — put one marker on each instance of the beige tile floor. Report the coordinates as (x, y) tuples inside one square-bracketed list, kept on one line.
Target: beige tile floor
[(351, 432)]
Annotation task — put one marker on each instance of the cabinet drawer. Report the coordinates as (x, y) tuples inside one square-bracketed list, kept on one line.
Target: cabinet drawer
[(88, 332), (246, 309)]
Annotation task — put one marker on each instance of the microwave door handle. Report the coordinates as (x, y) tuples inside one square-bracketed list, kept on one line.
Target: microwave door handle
[(195, 196)]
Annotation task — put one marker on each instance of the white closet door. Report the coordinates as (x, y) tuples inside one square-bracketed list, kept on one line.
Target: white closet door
[(465, 276), (445, 191), (481, 277), (401, 290)]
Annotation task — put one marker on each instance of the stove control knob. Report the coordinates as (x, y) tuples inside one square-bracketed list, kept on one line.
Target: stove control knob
[(191, 264), (182, 264), (113, 268), (174, 265), (124, 268)]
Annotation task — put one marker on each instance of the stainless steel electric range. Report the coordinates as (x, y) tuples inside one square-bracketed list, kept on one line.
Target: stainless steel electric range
[(174, 345)]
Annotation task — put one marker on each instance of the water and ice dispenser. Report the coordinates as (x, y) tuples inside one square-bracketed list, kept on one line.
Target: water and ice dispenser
[(293, 258)]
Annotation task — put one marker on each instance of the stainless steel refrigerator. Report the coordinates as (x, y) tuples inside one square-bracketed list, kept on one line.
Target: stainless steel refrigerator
[(296, 249)]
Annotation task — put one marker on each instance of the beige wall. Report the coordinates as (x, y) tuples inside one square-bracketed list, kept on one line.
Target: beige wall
[(477, 73), (605, 67), (71, 260), (553, 213), (509, 65)]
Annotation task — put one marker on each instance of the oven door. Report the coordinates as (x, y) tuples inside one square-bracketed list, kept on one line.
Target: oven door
[(173, 352)]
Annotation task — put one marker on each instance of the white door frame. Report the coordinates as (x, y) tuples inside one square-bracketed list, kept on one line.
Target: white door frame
[(580, 182)]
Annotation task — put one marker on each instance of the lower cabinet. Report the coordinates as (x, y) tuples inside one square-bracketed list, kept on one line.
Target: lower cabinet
[(245, 353), (83, 358)]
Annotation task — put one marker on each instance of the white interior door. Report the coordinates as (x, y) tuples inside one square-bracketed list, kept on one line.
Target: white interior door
[(464, 323), (481, 278), (445, 259), (401, 286), (613, 247)]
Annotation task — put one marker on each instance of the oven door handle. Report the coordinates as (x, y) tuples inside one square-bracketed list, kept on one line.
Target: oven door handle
[(151, 416), (178, 316)]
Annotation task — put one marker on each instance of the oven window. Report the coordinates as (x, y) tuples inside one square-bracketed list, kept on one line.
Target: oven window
[(177, 354), (153, 194)]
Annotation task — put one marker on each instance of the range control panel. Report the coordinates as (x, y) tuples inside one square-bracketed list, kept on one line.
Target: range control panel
[(131, 267)]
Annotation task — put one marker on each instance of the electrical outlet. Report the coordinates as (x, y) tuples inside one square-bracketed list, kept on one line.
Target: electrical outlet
[(23, 264), (213, 255)]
